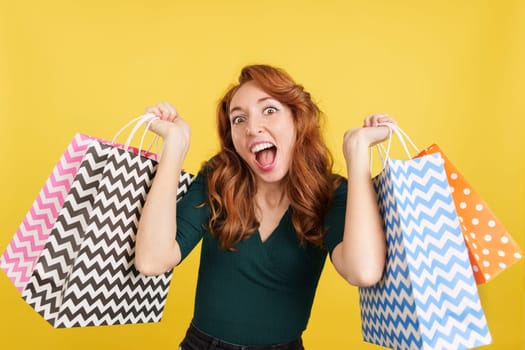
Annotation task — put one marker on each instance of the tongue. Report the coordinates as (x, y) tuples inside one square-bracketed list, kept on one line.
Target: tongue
[(266, 157)]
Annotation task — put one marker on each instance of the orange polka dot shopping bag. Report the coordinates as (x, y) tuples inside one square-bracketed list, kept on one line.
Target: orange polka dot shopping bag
[(491, 248)]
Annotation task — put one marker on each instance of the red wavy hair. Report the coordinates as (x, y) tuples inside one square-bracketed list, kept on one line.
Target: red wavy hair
[(309, 184)]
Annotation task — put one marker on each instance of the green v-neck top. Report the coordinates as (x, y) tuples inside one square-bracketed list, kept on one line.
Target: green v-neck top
[(261, 293)]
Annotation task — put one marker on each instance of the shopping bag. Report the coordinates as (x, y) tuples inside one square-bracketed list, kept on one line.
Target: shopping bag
[(23, 250), (19, 258), (427, 298), (85, 275), (491, 248)]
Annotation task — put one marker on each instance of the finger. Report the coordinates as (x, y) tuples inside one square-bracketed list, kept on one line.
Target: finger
[(171, 108), (173, 111), (169, 111), (163, 113), (389, 120), (373, 120), (381, 118), (155, 110)]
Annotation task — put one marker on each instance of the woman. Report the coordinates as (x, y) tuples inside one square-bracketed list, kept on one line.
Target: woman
[(268, 209)]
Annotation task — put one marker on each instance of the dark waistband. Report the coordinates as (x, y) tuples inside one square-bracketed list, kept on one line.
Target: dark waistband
[(293, 345)]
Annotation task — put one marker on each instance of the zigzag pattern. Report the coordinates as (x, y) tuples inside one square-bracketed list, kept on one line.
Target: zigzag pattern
[(428, 298), (86, 276), (45, 288), (21, 255)]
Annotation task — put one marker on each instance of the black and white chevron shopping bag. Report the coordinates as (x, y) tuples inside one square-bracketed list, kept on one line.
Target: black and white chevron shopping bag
[(85, 275)]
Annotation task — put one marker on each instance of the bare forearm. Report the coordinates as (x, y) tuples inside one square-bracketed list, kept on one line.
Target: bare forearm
[(360, 257), (363, 246), (156, 248)]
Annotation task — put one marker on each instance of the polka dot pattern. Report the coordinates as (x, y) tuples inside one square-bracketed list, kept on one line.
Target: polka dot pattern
[(491, 248)]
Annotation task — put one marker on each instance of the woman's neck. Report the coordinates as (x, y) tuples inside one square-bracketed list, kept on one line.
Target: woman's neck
[(271, 195)]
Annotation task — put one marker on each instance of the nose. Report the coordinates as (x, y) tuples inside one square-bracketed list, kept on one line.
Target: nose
[(253, 128)]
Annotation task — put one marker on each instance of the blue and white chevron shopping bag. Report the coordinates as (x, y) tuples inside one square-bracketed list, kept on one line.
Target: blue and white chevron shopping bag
[(428, 297)]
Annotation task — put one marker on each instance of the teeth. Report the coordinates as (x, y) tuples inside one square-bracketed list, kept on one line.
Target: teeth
[(261, 146)]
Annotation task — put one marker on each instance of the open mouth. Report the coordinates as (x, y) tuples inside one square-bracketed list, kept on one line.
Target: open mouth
[(265, 155)]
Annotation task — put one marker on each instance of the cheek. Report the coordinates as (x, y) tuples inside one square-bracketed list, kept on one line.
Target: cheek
[(292, 132), (292, 126), (236, 140)]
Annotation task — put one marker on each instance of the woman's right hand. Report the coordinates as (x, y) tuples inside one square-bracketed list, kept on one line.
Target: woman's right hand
[(171, 127)]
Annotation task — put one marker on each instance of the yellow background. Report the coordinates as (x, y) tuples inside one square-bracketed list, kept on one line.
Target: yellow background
[(450, 72)]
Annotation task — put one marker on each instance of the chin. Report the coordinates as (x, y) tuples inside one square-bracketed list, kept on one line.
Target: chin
[(274, 177)]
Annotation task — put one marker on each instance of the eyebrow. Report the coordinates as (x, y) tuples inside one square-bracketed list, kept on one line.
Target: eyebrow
[(262, 99)]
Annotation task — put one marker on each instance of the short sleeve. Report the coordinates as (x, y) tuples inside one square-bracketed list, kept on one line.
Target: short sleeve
[(192, 215), (334, 223)]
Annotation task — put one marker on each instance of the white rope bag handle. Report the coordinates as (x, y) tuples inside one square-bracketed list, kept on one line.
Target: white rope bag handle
[(147, 118), (384, 155)]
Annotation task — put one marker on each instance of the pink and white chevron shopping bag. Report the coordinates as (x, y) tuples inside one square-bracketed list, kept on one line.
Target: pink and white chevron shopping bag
[(20, 256)]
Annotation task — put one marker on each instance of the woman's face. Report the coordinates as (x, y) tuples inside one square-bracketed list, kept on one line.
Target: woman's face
[(263, 132)]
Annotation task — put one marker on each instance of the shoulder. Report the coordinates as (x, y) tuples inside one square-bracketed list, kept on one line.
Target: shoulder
[(193, 182), (208, 167), (200, 180), (340, 189)]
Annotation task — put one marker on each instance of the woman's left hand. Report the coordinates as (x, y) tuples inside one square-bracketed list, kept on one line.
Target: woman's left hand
[(370, 134)]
